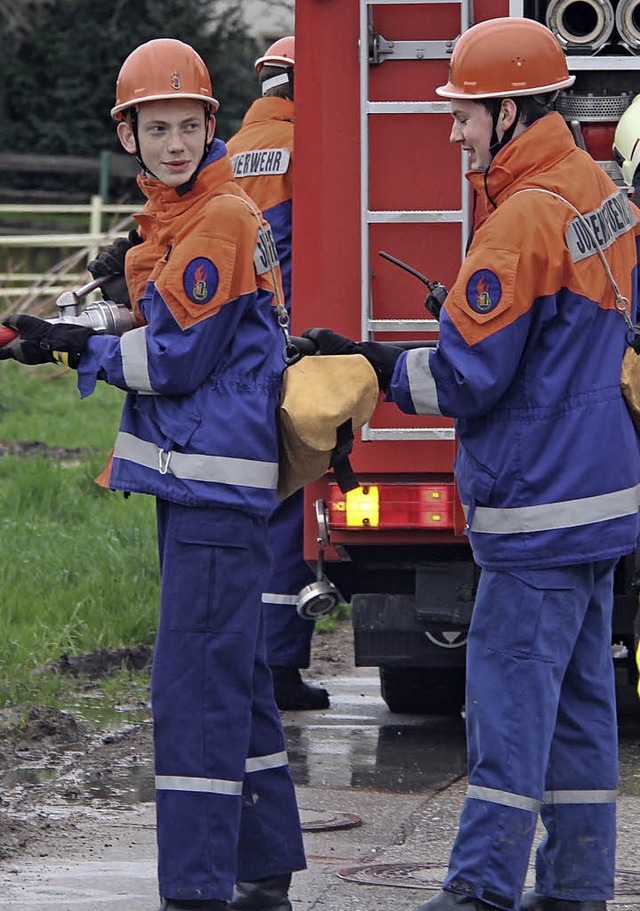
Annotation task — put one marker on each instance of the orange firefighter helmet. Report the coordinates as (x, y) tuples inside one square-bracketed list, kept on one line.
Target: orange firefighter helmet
[(281, 53), (506, 57), (160, 69)]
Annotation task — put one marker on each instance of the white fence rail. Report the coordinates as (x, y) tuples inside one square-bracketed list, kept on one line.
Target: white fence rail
[(22, 288)]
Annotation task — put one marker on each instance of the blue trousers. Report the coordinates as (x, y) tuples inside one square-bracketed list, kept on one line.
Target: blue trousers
[(288, 635), (542, 737), (226, 805)]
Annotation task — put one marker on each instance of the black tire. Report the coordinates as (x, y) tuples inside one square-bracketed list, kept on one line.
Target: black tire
[(423, 690)]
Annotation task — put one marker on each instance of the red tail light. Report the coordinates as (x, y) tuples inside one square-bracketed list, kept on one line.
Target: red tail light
[(386, 506)]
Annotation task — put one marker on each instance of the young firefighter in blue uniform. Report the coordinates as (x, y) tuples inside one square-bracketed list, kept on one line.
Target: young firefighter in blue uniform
[(198, 432), (262, 157), (528, 363)]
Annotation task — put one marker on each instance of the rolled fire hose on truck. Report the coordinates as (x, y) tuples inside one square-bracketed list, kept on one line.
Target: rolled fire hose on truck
[(104, 317), (581, 24), (587, 26)]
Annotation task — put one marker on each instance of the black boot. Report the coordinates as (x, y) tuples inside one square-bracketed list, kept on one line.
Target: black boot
[(532, 901), (293, 694), (210, 904), (451, 901), (270, 894)]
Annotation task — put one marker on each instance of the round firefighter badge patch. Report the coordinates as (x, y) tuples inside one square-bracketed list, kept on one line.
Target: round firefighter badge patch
[(200, 280), (484, 291)]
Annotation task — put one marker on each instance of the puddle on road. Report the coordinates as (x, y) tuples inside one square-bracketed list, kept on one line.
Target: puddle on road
[(130, 785), (93, 709), (391, 757), (424, 754)]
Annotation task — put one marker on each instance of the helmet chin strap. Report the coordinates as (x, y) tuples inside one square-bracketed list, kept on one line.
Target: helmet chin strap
[(134, 130), (497, 144)]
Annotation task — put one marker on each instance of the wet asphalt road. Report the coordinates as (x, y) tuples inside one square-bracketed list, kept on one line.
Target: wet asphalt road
[(379, 794)]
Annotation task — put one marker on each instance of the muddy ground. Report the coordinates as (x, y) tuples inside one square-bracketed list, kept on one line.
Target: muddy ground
[(47, 756)]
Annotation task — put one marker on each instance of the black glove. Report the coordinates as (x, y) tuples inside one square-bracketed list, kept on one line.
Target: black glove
[(110, 262), (41, 342), (329, 342), (380, 355)]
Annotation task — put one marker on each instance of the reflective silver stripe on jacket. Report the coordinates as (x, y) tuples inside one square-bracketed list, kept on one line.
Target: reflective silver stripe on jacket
[(262, 763), (133, 348), (190, 467), (548, 516), (272, 598), (202, 785), (580, 797), (421, 382), (504, 797)]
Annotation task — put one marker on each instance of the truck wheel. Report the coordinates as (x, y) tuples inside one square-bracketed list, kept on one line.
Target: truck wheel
[(423, 690)]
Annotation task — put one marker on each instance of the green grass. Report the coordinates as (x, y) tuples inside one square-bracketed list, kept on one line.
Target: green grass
[(78, 567), (42, 403), (79, 563), (329, 622)]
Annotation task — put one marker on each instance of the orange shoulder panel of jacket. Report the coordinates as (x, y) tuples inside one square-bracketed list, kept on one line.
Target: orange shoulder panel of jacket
[(262, 135), (212, 258), (266, 189), (520, 254), (484, 296)]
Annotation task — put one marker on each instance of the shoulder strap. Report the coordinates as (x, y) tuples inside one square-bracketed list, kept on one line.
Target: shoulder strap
[(266, 259), (622, 304)]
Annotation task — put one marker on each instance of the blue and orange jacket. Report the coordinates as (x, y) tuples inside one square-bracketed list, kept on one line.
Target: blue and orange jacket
[(529, 358), (262, 157), (203, 371)]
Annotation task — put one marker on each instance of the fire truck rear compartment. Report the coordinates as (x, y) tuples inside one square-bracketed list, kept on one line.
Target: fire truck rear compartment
[(411, 612)]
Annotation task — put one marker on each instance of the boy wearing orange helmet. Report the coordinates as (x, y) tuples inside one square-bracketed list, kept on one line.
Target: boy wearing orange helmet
[(202, 376), (262, 157), (548, 466)]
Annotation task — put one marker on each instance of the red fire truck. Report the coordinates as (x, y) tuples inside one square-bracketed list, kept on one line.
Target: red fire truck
[(375, 172)]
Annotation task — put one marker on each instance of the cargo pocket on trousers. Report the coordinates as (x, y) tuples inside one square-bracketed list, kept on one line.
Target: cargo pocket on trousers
[(205, 580)]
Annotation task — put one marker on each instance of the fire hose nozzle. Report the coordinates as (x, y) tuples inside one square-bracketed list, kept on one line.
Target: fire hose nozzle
[(104, 317), (68, 303)]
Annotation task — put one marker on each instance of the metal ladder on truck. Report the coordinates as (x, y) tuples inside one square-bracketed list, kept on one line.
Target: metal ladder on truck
[(374, 49)]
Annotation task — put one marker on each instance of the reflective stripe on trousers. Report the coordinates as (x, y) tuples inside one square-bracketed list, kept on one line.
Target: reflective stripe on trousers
[(542, 736), (226, 806)]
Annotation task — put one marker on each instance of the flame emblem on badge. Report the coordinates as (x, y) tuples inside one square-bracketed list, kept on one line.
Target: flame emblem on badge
[(483, 291), (175, 81), (200, 280), (200, 284), (483, 299)]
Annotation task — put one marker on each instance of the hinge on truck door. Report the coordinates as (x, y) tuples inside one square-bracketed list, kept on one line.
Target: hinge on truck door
[(380, 49)]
